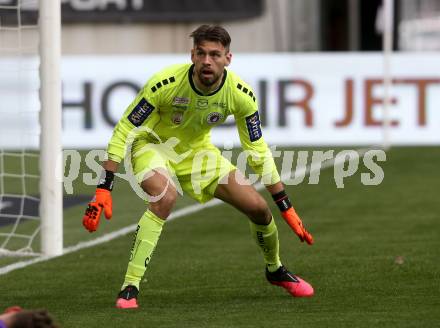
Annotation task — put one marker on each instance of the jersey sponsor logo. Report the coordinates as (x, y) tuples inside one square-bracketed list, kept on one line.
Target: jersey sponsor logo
[(179, 107), (202, 103), (140, 112), (181, 101), (219, 104), (254, 126), (177, 117), (214, 117)]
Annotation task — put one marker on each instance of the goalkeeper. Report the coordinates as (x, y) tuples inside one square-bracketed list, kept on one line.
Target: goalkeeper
[(166, 134)]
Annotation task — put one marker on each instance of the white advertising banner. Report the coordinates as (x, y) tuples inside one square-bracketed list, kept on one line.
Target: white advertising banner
[(304, 99)]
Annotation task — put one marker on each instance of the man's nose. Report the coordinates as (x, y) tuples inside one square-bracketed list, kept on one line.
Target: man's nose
[(206, 60)]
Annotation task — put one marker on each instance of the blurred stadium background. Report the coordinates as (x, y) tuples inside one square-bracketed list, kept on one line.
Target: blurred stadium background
[(323, 80)]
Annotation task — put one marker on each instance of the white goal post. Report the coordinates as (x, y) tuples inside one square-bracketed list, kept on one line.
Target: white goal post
[(31, 208), (51, 202), (387, 49)]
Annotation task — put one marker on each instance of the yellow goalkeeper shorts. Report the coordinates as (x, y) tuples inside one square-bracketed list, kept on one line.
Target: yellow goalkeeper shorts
[(196, 172)]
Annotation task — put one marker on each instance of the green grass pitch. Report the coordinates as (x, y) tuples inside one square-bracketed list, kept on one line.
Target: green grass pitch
[(375, 260)]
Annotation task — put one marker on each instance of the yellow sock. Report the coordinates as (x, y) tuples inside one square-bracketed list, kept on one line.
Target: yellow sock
[(145, 241), (266, 236)]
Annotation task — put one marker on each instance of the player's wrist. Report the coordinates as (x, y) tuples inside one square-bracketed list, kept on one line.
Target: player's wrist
[(106, 181), (282, 201)]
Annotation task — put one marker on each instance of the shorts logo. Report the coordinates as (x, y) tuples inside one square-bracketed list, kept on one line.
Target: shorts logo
[(181, 101), (177, 117), (202, 103), (140, 112), (214, 117), (254, 126)]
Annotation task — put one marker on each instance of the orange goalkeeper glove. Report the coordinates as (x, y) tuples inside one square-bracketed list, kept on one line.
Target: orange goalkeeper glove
[(297, 226), (292, 219), (101, 201)]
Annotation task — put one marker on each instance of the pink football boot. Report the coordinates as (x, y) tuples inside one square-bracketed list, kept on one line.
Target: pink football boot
[(127, 298), (292, 283)]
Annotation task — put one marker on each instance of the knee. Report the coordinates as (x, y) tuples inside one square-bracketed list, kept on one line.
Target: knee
[(258, 211), (162, 205)]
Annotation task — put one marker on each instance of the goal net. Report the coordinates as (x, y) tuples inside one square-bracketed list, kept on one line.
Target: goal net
[(30, 202)]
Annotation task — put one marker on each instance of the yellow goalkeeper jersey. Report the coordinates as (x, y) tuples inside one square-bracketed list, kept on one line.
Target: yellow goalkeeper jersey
[(169, 105)]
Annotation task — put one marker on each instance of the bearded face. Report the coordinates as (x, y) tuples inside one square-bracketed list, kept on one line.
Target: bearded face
[(210, 59)]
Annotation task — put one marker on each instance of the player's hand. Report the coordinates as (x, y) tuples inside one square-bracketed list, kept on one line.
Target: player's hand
[(297, 226), (101, 201)]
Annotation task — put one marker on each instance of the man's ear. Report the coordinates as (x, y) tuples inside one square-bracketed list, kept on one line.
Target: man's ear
[(192, 55), (228, 58)]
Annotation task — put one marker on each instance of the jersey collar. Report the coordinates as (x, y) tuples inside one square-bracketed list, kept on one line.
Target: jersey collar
[(191, 82)]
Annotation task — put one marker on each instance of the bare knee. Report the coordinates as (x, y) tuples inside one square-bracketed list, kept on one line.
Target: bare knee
[(258, 211), (161, 193), (163, 205)]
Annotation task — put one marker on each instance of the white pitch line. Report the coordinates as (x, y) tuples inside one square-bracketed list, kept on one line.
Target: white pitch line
[(175, 215)]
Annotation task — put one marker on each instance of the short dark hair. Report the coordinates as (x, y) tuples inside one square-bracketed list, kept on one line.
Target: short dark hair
[(214, 33), (33, 319)]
